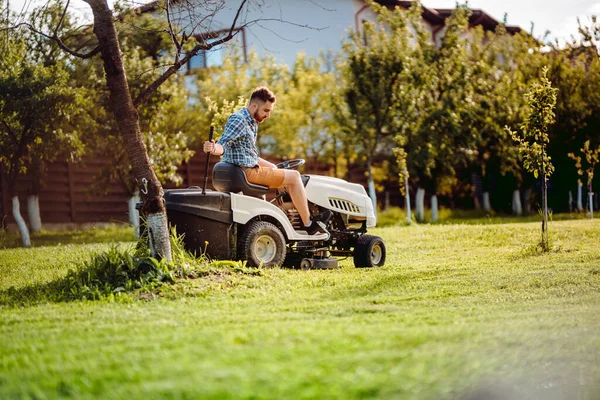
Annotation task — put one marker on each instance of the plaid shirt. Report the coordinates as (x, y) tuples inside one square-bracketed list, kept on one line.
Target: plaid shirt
[(239, 139)]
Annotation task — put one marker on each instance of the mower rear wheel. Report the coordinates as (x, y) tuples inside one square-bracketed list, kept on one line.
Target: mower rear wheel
[(262, 244), (369, 252)]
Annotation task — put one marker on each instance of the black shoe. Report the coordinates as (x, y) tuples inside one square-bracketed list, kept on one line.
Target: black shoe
[(323, 217), (315, 227)]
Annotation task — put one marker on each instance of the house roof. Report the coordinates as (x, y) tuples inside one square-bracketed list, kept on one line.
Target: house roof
[(437, 16)]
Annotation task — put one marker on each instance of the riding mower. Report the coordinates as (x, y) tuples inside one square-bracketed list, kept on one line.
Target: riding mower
[(236, 222)]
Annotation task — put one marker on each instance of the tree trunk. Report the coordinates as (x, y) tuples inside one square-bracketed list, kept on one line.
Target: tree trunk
[(127, 120), (371, 184), (33, 202), (570, 201), (579, 197), (527, 200), (591, 201), (407, 198), (33, 212), (420, 205), (20, 222), (434, 208), (134, 215), (516, 203), (487, 205), (545, 244)]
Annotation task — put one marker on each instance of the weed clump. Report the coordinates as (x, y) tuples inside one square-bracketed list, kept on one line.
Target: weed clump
[(114, 274)]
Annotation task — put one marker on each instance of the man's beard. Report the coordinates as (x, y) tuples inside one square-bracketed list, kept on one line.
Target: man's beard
[(256, 117)]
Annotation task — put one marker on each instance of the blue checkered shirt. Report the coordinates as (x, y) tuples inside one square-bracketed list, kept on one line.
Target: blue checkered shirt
[(239, 139)]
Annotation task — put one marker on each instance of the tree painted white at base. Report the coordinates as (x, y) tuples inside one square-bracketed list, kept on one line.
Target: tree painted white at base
[(487, 206), (591, 204), (16, 211), (373, 195), (517, 209), (134, 214), (420, 205), (434, 208), (33, 212), (157, 232), (579, 196)]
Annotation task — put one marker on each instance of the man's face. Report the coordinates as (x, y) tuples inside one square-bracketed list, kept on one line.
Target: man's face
[(262, 111)]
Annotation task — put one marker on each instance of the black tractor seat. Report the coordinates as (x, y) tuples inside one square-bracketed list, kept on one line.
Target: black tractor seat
[(228, 177)]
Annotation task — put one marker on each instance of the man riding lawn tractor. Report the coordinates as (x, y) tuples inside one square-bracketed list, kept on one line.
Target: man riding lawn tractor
[(311, 219)]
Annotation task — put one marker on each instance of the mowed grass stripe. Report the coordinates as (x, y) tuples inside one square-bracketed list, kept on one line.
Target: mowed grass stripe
[(456, 309)]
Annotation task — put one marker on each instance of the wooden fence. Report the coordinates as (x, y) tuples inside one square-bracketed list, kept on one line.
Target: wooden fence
[(66, 196)]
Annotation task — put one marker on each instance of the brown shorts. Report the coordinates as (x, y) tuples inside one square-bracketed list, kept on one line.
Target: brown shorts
[(266, 176)]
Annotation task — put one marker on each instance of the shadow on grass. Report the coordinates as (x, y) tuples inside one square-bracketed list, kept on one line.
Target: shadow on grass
[(114, 233)]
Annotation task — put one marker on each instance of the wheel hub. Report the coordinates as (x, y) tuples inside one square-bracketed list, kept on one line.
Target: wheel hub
[(376, 254), (265, 248)]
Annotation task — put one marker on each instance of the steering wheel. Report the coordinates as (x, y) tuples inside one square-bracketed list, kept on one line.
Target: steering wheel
[(291, 164)]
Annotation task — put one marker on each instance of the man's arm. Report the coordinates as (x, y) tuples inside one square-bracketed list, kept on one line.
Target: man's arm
[(213, 148), (233, 130)]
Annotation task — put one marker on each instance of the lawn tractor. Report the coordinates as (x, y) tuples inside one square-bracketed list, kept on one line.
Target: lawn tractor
[(236, 222)]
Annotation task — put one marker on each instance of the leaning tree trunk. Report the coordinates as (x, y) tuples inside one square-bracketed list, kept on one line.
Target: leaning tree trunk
[(16, 207), (21, 225), (128, 122)]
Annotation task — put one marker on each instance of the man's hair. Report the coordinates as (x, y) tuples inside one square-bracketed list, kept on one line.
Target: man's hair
[(262, 94)]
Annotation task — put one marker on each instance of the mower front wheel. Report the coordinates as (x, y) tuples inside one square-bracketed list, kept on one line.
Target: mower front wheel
[(262, 244), (369, 252)]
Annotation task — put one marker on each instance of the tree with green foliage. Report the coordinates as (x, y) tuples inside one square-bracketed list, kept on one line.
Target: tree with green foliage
[(42, 53), (301, 123), (574, 69), (498, 96), (166, 119), (40, 112), (438, 143), (533, 140), (375, 71), (591, 157), (186, 44)]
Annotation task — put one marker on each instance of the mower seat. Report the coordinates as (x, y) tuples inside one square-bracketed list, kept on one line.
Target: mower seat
[(228, 177)]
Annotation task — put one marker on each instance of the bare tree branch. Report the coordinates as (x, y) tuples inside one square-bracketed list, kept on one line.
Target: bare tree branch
[(62, 17), (171, 32), (55, 38), (178, 63)]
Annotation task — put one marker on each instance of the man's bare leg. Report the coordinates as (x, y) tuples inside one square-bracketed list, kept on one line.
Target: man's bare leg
[(296, 191)]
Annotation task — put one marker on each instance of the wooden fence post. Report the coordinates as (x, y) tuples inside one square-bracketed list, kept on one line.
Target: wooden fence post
[(188, 171)]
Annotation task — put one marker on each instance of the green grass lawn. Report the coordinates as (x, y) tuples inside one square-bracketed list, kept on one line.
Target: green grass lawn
[(465, 310)]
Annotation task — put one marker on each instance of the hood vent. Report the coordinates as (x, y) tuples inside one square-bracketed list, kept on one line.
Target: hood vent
[(343, 205)]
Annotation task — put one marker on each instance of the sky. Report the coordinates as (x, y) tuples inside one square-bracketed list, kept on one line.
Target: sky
[(557, 16)]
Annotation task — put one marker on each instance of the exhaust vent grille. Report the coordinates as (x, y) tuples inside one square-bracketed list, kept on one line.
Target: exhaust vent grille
[(343, 205)]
